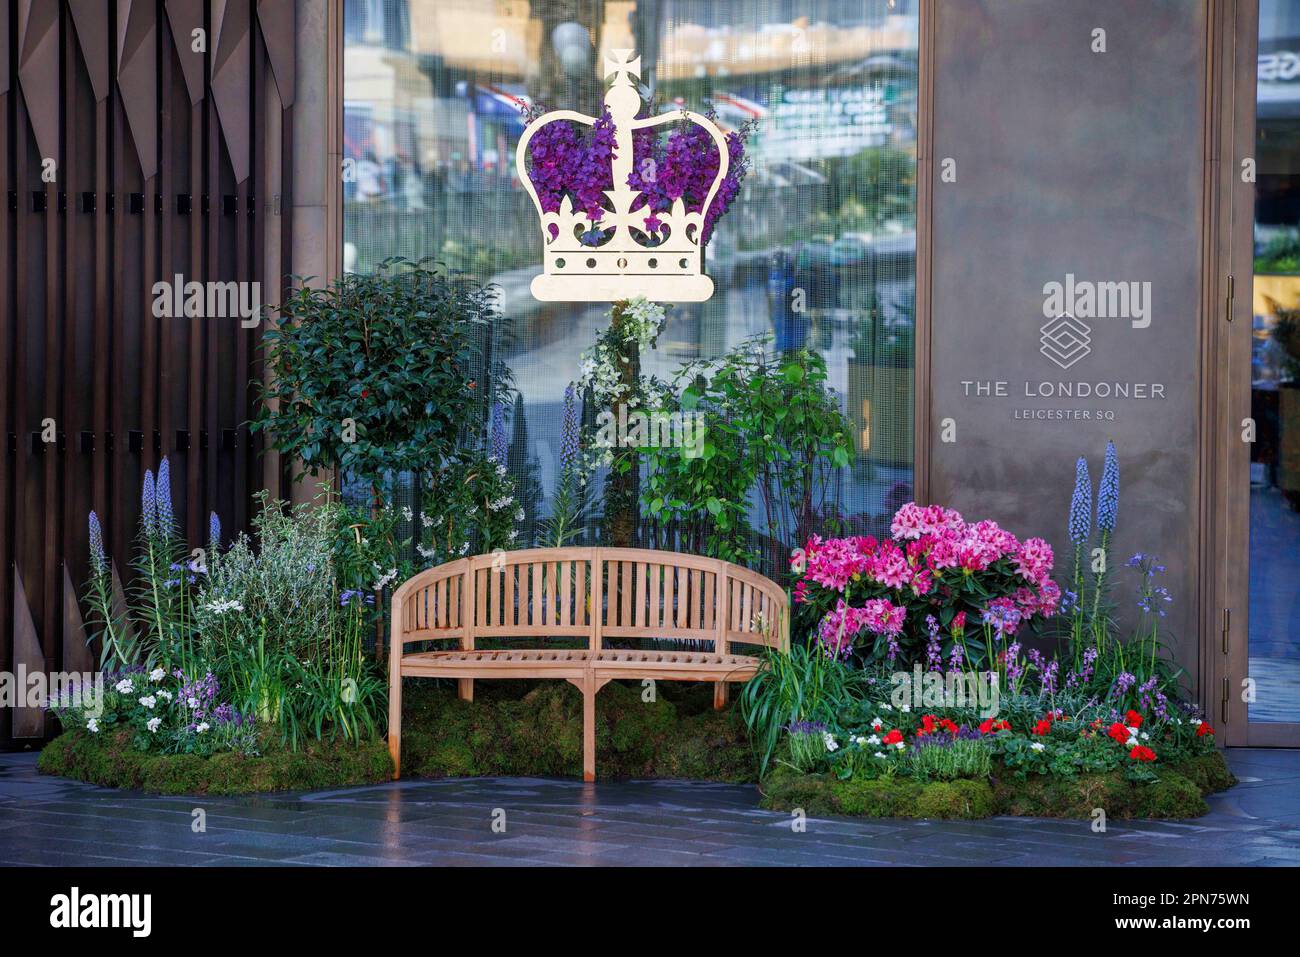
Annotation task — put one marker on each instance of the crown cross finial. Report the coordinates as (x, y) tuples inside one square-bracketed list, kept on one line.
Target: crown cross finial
[(622, 63)]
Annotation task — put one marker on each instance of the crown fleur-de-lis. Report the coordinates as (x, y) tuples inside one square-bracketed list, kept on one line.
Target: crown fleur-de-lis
[(621, 267)]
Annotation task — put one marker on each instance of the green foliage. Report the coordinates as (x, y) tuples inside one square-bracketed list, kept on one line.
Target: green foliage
[(471, 508), (376, 372), (771, 423), (947, 762), (283, 623), (801, 685)]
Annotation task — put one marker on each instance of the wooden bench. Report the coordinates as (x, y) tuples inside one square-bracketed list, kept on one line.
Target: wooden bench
[(607, 598)]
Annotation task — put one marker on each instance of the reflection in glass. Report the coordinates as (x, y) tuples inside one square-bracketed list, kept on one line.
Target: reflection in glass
[(818, 251), (1275, 374)]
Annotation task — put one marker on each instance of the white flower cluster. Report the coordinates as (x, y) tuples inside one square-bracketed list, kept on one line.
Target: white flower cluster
[(385, 578), (221, 607)]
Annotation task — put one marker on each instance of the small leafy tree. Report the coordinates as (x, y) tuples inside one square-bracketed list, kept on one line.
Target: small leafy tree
[(377, 373)]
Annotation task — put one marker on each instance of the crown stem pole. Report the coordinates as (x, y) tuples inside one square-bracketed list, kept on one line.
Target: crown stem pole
[(623, 484)]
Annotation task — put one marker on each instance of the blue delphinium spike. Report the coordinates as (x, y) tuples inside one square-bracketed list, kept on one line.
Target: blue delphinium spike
[(214, 531), (149, 505), (569, 436), (1108, 491), (500, 444), (166, 517), (98, 559), (1081, 504)]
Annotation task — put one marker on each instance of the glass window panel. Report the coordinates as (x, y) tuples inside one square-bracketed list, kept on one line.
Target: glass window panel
[(819, 249)]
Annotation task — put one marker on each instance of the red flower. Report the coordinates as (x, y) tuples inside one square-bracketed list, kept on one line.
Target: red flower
[(1133, 719), (894, 737), (1140, 752), (1203, 729), (1119, 733), (988, 726), (365, 393), (1043, 727), (927, 725), (949, 725)]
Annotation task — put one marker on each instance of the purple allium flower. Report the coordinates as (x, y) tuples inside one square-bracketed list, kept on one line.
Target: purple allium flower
[(98, 559), (149, 505), (1081, 504), (1108, 491), (166, 517)]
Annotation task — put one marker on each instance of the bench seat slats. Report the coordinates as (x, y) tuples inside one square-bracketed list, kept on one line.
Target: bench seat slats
[(702, 605)]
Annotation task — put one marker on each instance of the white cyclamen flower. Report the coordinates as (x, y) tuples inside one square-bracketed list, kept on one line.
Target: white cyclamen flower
[(157, 675), (92, 725), (1037, 746), (149, 701), (153, 724)]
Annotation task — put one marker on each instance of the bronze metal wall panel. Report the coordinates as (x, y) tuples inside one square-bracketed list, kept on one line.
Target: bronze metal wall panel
[(163, 157), (1070, 160)]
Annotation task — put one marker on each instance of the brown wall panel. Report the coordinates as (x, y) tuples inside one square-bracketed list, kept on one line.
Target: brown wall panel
[(168, 162)]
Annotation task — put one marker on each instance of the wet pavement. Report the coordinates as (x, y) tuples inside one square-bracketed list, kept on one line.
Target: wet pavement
[(525, 821)]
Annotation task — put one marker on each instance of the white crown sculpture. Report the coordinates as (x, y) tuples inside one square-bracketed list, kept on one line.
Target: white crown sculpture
[(621, 267)]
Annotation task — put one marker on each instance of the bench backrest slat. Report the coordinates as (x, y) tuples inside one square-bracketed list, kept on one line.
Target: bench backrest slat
[(598, 594)]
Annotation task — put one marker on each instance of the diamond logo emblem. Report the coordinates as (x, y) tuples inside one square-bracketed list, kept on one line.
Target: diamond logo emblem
[(1066, 340)]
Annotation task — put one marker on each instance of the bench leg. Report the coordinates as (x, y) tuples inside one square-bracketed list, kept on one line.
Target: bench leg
[(719, 695), (395, 714), (589, 728), (465, 689)]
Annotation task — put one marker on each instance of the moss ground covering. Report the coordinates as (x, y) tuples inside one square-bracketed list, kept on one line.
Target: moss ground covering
[(511, 728), (535, 729), (1179, 792)]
